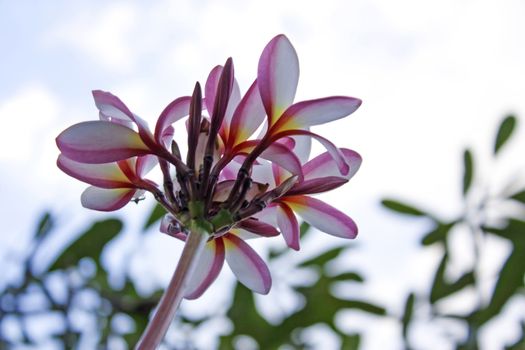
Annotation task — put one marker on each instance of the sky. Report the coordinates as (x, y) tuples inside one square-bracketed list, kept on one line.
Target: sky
[(434, 77)]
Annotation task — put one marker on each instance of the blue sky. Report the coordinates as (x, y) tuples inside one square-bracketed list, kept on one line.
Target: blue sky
[(434, 76)]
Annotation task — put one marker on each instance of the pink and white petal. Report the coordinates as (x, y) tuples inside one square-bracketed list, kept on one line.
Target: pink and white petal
[(107, 175), (98, 142), (277, 76), (222, 190), (262, 173), (317, 185), (144, 164), (303, 147), (324, 165), (247, 117), (268, 215), (258, 227), (288, 225), (176, 110), (288, 142), (246, 265), (323, 216), (334, 152), (279, 174), (106, 199), (112, 108), (207, 269), (210, 88), (314, 112), (233, 102), (282, 156), (167, 136)]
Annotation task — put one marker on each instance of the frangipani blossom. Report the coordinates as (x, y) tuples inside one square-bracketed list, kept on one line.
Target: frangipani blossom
[(321, 174), (277, 79), (113, 184), (231, 184), (249, 268)]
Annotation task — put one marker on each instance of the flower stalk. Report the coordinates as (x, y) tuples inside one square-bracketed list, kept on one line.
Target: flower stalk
[(169, 303)]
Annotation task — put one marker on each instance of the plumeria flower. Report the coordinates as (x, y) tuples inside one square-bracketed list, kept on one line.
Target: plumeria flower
[(113, 184), (321, 174), (214, 195), (249, 268)]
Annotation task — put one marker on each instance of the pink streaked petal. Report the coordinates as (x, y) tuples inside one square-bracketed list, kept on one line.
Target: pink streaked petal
[(107, 175), (258, 227), (334, 152), (314, 112), (167, 136), (111, 107), (288, 225), (144, 164), (317, 185), (262, 173), (100, 142), (303, 147), (210, 88), (288, 142), (106, 200), (268, 215), (244, 234), (233, 102), (114, 110), (246, 265), (247, 117), (323, 216), (324, 165), (279, 174), (207, 269), (176, 110), (282, 156), (277, 76)]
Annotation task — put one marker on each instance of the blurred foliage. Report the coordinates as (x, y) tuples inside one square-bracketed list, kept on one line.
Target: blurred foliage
[(476, 222), (76, 285)]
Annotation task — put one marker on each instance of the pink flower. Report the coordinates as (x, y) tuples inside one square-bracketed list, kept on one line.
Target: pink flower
[(321, 174), (215, 188)]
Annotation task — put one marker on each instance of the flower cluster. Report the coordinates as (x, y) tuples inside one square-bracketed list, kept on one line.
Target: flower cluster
[(246, 172)]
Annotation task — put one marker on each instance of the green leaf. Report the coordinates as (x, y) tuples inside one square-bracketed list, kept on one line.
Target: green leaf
[(468, 170), (441, 288), (351, 342), (407, 314), (520, 196), (510, 280), (438, 234), (505, 130), (323, 258), (364, 306), (156, 214), (45, 225), (348, 276), (304, 229), (89, 244), (401, 207)]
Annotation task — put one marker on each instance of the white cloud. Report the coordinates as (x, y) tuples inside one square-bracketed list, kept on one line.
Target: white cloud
[(24, 115), (104, 34)]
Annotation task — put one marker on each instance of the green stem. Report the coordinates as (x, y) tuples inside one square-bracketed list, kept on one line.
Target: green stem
[(169, 303)]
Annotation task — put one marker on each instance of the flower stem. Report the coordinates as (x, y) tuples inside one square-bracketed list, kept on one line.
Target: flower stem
[(169, 303)]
